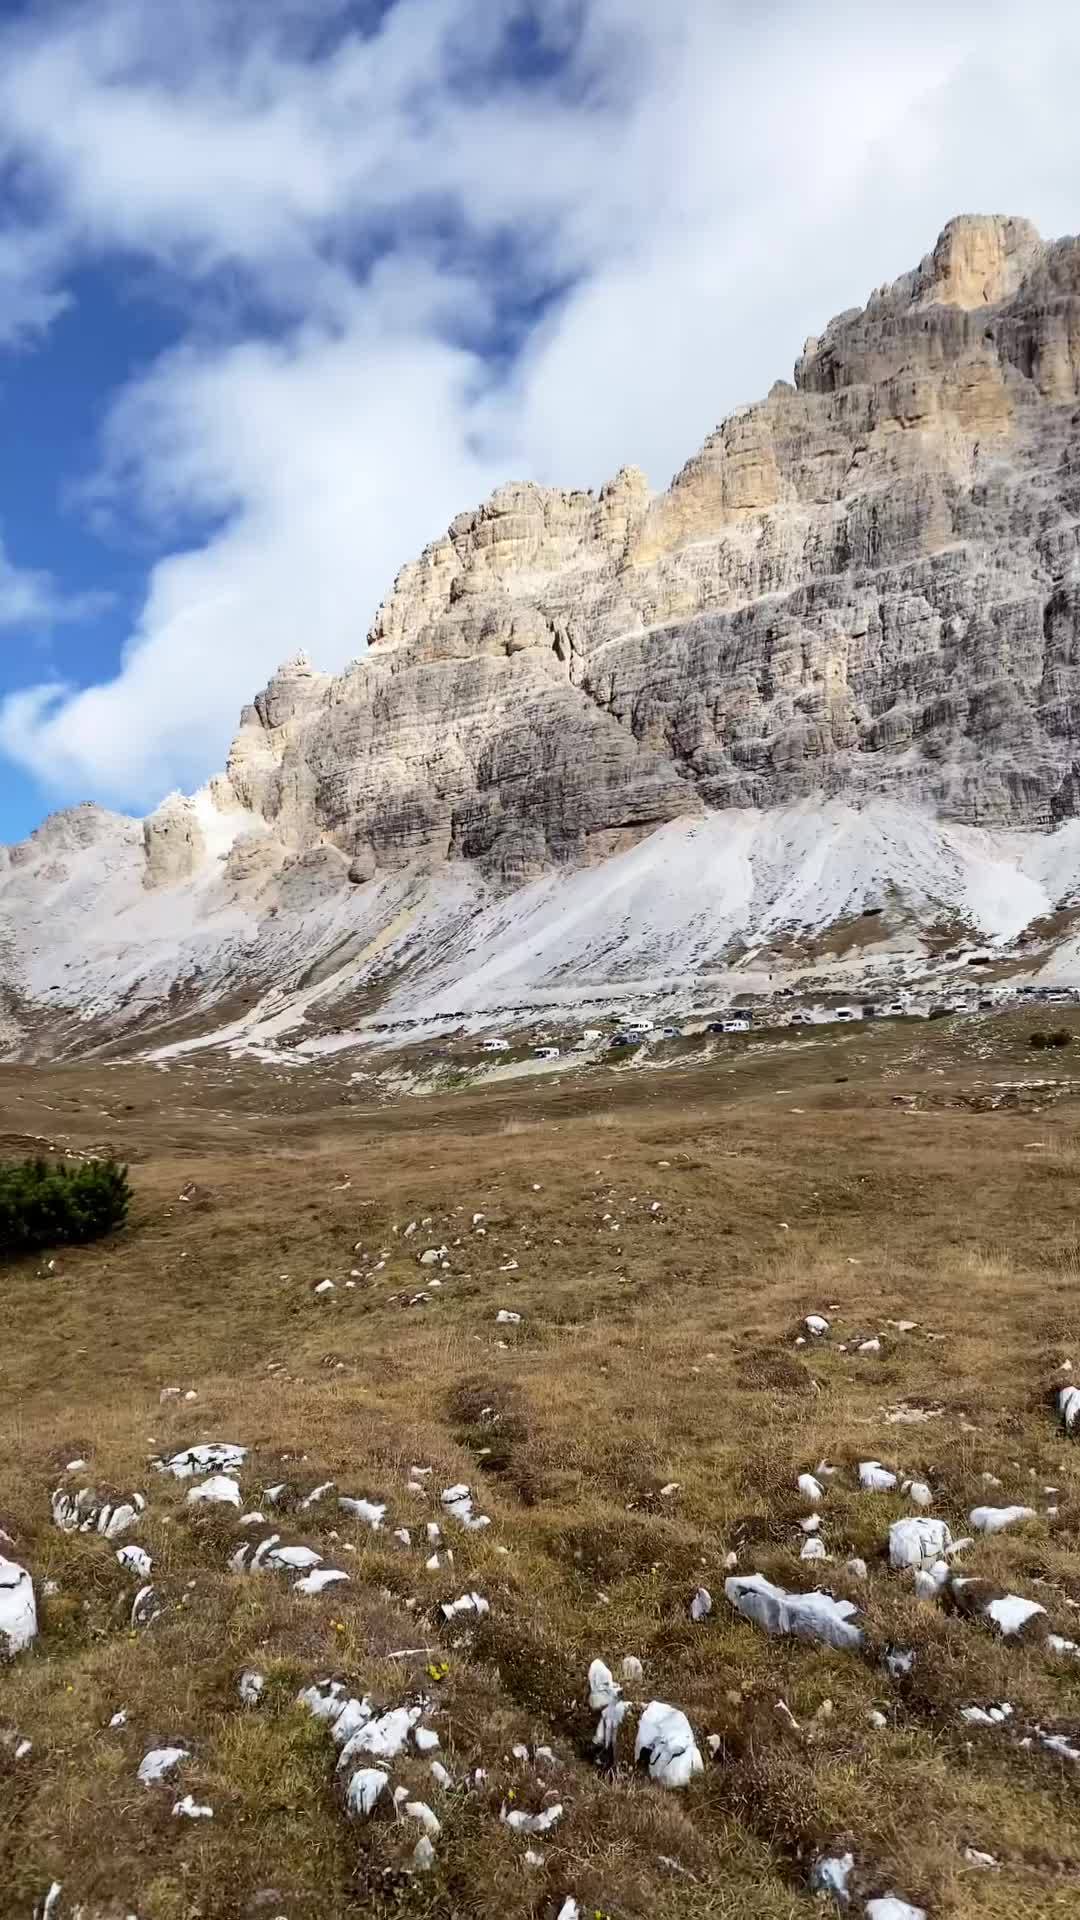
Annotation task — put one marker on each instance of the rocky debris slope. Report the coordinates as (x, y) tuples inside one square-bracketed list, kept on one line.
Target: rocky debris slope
[(863, 591)]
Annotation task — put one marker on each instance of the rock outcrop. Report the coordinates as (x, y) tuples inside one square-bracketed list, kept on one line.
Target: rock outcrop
[(867, 582), (863, 591)]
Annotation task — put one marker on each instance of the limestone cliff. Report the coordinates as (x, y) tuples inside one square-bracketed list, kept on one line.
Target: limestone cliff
[(866, 583)]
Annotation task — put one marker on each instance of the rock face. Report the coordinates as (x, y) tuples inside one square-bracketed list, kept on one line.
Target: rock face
[(866, 582), (862, 592)]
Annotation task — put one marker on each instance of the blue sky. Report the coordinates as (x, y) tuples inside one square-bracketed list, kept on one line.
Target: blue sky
[(285, 284)]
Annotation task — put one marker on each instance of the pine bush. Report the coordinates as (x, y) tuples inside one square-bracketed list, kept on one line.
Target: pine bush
[(46, 1203)]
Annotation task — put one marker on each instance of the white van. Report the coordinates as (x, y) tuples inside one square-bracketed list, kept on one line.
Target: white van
[(495, 1046), (545, 1053)]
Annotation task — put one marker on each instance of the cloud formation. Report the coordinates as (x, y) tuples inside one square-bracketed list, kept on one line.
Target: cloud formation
[(446, 242)]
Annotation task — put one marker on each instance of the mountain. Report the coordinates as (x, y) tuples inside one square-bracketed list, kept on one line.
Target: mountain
[(672, 739)]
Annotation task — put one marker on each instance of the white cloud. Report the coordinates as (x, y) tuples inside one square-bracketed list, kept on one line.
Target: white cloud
[(712, 181)]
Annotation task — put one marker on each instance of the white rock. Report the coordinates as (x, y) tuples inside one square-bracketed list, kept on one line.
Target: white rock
[(221, 1490), (831, 1874), (18, 1608), (285, 1559), (504, 1318), (1010, 1613), (876, 1718), (251, 1687), (701, 1604), (664, 1734), (899, 1661), (913, 1542), (316, 1494), (976, 1858), (1058, 1644), (632, 1669), (874, 1477), (113, 1521), (523, 1822), (808, 1616), (816, 1323), (371, 1512), (351, 1716), (158, 1762), (383, 1736), (419, 1810), (423, 1857), (403, 1534), (929, 1581), (426, 1739), (857, 1569), (324, 1286), (811, 1523), (996, 1519), (119, 1719), (206, 1458), (432, 1255), (439, 1774), (810, 1488), (603, 1689), (813, 1549), (569, 1909), (319, 1579), (1069, 1407), (890, 1907), (918, 1491), (324, 1699), (467, 1603), (49, 1904), (869, 1346), (135, 1560), (364, 1789), (187, 1809)]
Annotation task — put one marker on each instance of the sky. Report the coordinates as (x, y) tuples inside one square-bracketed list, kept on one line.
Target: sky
[(286, 284)]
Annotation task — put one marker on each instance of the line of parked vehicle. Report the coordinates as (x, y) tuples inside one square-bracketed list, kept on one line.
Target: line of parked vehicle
[(639, 1029)]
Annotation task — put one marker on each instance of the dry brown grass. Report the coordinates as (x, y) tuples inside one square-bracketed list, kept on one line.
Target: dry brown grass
[(655, 1347)]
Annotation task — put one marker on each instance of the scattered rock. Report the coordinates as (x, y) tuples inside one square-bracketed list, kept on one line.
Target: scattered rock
[(875, 1478), (701, 1604), (188, 1810), (830, 1874), (665, 1741), (252, 1687), (913, 1542), (220, 1490), (808, 1616), (18, 1608), (135, 1560), (210, 1457), (158, 1762), (996, 1519)]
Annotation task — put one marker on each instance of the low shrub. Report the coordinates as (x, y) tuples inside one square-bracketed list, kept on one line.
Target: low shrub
[(1061, 1037), (47, 1203)]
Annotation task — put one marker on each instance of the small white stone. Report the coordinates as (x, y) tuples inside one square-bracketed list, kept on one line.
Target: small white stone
[(188, 1809), (364, 1789), (135, 1560), (221, 1490), (874, 1477), (426, 1739), (251, 1687), (158, 1762), (701, 1604), (996, 1519)]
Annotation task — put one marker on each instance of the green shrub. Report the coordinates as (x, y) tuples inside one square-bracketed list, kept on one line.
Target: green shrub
[(45, 1203)]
